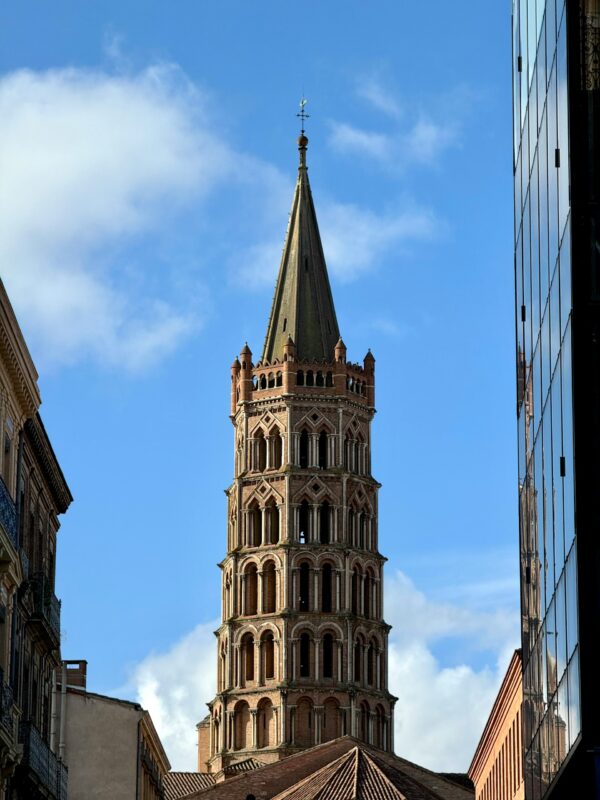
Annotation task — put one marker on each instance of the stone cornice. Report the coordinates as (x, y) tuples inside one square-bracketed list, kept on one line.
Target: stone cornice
[(38, 438), (16, 357)]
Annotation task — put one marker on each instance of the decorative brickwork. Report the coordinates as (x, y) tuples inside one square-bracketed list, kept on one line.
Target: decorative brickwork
[(302, 648)]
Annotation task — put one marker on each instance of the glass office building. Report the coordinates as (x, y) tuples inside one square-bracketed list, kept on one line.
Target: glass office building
[(556, 59)]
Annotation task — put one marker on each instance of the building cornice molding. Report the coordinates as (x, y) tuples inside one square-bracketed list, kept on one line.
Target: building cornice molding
[(38, 438), (15, 355)]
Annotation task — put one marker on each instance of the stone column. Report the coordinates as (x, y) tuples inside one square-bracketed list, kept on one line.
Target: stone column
[(294, 659), (313, 449), (340, 654), (312, 523), (353, 731), (253, 714), (338, 590), (259, 592), (317, 671), (378, 668), (283, 736), (370, 727), (294, 603), (318, 724), (316, 604), (243, 595), (292, 725), (331, 440), (268, 451), (263, 526)]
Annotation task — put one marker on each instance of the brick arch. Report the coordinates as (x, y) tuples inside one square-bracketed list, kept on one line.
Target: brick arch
[(304, 723), (332, 720), (265, 723), (315, 425), (242, 725)]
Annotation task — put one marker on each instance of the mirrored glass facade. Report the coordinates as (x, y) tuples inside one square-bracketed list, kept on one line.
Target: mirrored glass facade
[(548, 534)]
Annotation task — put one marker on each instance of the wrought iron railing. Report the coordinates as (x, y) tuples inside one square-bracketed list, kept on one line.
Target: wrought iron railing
[(8, 513), (46, 604), (42, 761)]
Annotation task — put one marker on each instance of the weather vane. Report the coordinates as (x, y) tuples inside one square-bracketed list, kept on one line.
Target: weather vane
[(302, 113)]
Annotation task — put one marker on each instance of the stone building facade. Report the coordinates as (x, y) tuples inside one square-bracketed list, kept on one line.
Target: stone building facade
[(302, 648), (33, 494)]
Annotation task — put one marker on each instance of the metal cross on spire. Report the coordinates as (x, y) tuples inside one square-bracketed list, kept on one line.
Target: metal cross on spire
[(302, 113)]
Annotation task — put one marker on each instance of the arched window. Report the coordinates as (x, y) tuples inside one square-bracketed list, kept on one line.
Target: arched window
[(271, 381), (277, 449), (250, 584), (329, 379), (361, 530), (331, 720), (356, 580), (254, 525), (247, 658), (380, 728), (324, 520), (370, 664), (262, 382), (328, 656), (364, 721), (320, 380), (272, 520), (323, 450), (279, 379), (303, 517), (350, 532), (269, 587), (305, 655), (304, 598), (304, 727), (243, 725), (261, 452), (300, 378), (304, 441), (326, 588), (367, 584), (310, 378), (268, 655), (265, 723), (358, 650)]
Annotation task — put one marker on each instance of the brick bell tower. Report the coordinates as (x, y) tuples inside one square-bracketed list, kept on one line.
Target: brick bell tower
[(302, 647)]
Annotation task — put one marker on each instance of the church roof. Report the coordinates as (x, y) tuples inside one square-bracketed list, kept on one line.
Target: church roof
[(342, 769), (303, 304), (180, 784)]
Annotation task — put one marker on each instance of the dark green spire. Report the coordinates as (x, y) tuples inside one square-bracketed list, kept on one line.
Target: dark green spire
[(303, 304)]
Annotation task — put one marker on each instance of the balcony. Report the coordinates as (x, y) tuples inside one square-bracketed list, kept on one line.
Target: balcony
[(8, 513), (7, 709), (44, 767), (46, 607)]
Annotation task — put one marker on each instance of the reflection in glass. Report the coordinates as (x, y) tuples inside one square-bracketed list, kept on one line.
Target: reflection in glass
[(571, 601), (561, 628), (574, 700)]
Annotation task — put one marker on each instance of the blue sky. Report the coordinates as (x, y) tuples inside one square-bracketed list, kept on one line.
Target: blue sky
[(147, 156)]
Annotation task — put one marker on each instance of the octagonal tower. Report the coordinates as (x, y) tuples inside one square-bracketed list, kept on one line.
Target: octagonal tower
[(302, 647)]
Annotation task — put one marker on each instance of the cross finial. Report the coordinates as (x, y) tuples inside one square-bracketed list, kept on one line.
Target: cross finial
[(302, 113)]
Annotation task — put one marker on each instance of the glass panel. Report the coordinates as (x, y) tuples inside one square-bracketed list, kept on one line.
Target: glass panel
[(557, 481), (565, 278), (523, 38), (531, 37), (561, 628), (550, 27), (518, 193), (551, 649), (545, 352), (536, 382), (541, 67), (571, 600), (562, 721), (544, 667), (538, 544), (543, 201), (563, 129), (537, 305), (567, 427), (574, 695), (552, 176), (533, 126), (527, 281), (555, 330), (548, 533), (525, 151)]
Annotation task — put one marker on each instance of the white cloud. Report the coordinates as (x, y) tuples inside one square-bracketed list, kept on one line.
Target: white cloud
[(441, 708), (90, 162), (416, 136), (355, 240), (348, 139), (174, 687), (378, 97)]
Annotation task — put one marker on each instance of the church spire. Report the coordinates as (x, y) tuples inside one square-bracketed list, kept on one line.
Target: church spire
[(303, 305)]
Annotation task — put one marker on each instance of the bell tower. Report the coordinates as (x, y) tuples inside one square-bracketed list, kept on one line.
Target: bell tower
[(302, 647)]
